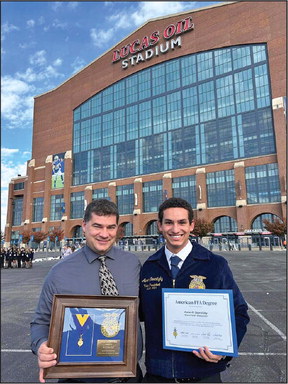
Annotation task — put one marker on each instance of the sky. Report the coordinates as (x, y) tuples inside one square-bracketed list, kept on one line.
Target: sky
[(45, 43)]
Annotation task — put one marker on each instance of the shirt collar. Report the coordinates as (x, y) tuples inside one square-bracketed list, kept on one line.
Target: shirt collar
[(91, 255), (182, 254)]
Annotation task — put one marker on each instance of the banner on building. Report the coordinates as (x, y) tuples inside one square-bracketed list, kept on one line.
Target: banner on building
[(58, 170)]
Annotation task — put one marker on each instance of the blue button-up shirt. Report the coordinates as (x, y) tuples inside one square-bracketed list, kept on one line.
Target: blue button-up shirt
[(78, 274)]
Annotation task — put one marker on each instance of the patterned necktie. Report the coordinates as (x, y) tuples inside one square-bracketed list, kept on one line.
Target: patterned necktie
[(107, 282), (175, 260)]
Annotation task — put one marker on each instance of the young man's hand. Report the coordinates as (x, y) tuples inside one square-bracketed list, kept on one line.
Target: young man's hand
[(208, 356)]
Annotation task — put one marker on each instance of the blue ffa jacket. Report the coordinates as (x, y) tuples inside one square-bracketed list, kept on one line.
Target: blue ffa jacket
[(214, 273)]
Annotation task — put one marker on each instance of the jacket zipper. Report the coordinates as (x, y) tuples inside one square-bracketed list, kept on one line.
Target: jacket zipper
[(173, 369)]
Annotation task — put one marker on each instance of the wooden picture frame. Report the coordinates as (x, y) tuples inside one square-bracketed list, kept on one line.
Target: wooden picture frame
[(93, 336)]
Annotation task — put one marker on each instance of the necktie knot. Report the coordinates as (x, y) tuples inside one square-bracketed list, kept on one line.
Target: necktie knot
[(175, 260)]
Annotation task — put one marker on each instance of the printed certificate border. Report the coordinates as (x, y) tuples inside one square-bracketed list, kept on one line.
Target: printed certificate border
[(125, 368), (202, 292)]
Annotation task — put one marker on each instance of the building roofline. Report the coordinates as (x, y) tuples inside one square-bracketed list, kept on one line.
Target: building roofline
[(141, 26)]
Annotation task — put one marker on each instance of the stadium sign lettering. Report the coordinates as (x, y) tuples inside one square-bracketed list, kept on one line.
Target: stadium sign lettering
[(147, 44)]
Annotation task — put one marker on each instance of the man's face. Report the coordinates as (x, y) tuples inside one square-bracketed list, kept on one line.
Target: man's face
[(100, 232), (175, 228)]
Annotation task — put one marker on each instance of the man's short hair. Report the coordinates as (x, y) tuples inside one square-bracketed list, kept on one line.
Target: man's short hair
[(175, 202), (101, 207)]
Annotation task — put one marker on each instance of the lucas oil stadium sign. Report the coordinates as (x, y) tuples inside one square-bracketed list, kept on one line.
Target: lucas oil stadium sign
[(141, 50)]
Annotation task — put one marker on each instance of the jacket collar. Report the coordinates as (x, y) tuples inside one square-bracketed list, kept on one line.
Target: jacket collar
[(198, 253)]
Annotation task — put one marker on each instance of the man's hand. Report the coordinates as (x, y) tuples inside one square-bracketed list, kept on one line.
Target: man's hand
[(205, 354), (46, 359)]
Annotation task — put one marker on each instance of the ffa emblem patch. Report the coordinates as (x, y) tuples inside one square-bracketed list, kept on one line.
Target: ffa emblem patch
[(197, 282), (110, 326)]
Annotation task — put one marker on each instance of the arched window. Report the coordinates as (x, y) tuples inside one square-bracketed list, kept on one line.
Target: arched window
[(128, 229), (152, 228), (78, 231), (225, 224), (258, 222)]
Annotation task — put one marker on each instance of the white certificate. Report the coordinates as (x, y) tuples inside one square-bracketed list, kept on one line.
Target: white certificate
[(194, 318)]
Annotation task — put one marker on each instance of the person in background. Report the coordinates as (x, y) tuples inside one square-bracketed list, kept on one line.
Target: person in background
[(197, 268)]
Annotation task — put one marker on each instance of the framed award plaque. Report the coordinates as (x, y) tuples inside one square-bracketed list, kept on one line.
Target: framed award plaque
[(93, 336)]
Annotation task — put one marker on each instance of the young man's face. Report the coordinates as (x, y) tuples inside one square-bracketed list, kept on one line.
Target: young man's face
[(100, 232), (175, 228)]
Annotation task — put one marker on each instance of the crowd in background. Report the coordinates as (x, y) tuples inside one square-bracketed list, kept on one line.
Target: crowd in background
[(14, 257)]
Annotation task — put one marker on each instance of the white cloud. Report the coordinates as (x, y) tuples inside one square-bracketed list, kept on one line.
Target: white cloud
[(27, 45), (72, 4), (17, 102), (145, 11), (59, 25), (57, 62), (8, 151), (100, 37), (41, 20), (9, 170), (30, 23), (56, 5), (7, 28), (38, 58), (78, 64), (151, 9)]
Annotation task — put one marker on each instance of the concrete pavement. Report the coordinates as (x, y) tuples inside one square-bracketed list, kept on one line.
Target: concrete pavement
[(261, 277)]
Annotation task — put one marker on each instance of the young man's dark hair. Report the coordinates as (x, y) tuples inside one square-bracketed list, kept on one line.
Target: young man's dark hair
[(101, 207), (175, 202)]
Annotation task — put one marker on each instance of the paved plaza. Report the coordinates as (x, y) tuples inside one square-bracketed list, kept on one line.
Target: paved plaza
[(261, 277)]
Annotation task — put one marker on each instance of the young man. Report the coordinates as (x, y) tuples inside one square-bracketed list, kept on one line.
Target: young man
[(199, 268), (78, 274)]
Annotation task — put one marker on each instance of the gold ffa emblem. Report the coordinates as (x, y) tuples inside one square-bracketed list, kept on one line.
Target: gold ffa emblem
[(175, 334), (110, 326), (197, 282)]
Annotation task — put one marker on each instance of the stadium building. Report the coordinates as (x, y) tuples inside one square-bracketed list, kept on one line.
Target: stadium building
[(190, 105)]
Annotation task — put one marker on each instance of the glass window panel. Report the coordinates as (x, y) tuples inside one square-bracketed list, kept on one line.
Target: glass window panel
[(57, 207), (206, 101), (190, 106), (86, 109), (76, 205), (225, 224), (96, 104), (17, 206), (172, 75), (174, 110), (158, 79), (241, 57), (188, 70), (259, 53), (185, 187), (223, 61), (221, 188), (145, 119), (152, 196), (38, 207), (159, 115), (100, 193), (204, 65), (125, 199), (262, 184)]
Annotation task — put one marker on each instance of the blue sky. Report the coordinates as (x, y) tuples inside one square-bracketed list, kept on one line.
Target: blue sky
[(45, 43)]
